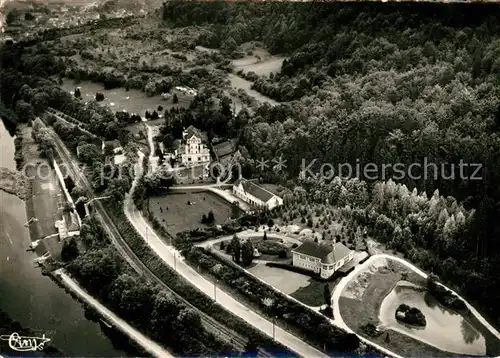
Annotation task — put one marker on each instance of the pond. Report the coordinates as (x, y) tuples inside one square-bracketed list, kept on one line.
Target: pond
[(445, 329)]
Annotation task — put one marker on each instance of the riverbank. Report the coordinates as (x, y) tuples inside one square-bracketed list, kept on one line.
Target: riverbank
[(13, 182), (28, 296), (132, 341)]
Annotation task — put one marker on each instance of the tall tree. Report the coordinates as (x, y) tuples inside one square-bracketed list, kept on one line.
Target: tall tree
[(236, 248), (247, 253), (327, 295)]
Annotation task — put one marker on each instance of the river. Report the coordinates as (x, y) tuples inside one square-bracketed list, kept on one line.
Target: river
[(31, 298)]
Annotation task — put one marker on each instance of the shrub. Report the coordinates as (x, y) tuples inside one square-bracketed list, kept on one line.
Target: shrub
[(410, 315)]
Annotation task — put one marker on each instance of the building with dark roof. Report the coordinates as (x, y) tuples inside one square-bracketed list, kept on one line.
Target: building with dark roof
[(254, 194), (321, 258)]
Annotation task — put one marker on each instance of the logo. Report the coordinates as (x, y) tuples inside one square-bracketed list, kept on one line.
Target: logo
[(25, 344)]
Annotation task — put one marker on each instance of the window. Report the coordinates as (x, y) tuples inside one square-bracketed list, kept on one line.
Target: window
[(189, 159), (199, 159)]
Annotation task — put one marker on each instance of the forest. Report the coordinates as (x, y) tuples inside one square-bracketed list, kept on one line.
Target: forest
[(381, 83), (361, 83)]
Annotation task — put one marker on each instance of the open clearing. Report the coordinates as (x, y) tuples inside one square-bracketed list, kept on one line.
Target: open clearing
[(285, 281), (118, 99), (182, 217), (261, 68)]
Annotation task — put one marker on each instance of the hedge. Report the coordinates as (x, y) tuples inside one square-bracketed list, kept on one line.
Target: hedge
[(180, 286), (315, 328)]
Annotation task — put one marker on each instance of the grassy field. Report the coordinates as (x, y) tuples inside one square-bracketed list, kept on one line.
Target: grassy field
[(285, 281), (174, 213), (44, 203), (312, 294), (258, 60)]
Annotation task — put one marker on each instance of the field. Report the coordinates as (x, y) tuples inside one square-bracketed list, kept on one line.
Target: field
[(174, 213), (257, 60), (285, 281), (312, 294), (117, 99)]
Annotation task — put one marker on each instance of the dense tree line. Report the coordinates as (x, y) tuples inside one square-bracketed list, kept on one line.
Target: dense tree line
[(388, 84), (104, 274), (315, 328)]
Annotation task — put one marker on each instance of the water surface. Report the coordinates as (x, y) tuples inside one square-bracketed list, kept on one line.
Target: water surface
[(31, 298), (445, 329)]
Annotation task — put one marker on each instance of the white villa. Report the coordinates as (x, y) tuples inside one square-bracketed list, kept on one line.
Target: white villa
[(193, 150), (255, 195), (321, 258)]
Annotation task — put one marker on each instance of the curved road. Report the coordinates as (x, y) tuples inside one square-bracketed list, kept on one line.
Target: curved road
[(152, 347), (346, 280), (167, 255)]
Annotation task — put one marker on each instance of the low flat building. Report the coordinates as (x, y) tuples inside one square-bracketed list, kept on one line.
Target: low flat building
[(323, 259), (255, 195)]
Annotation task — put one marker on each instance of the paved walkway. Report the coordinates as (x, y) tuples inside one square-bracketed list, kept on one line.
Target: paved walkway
[(150, 346), (172, 258)]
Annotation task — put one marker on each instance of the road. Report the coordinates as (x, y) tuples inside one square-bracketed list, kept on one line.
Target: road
[(213, 326), (364, 266), (166, 253), (150, 346)]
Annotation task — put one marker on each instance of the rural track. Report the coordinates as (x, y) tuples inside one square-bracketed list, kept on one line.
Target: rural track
[(136, 263)]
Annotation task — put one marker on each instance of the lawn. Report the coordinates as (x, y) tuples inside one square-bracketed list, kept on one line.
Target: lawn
[(174, 213), (117, 99), (259, 67), (285, 281), (258, 60), (312, 294)]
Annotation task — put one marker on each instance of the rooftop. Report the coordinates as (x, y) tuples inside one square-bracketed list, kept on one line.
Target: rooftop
[(256, 190), (193, 131), (329, 254)]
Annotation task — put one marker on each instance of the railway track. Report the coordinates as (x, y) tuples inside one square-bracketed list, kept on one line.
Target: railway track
[(212, 325)]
